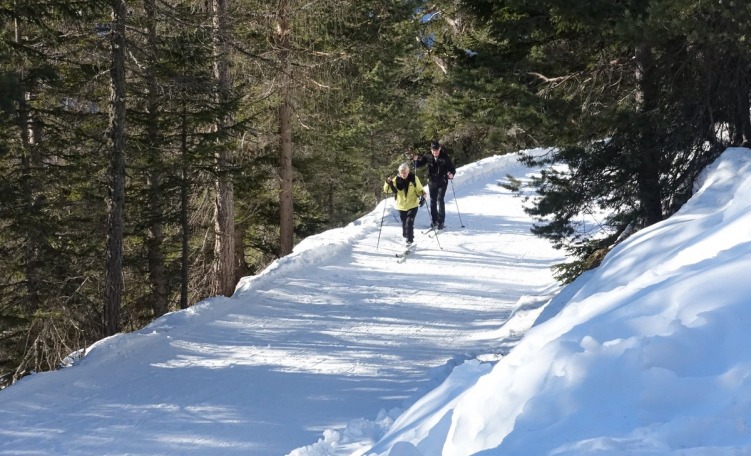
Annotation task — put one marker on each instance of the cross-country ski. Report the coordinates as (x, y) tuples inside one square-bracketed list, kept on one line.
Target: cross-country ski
[(402, 257)]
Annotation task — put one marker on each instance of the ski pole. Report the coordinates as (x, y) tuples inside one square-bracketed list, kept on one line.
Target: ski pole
[(383, 216), (435, 235), (457, 203)]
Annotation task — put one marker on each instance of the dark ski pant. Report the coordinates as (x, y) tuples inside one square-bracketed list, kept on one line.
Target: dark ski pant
[(408, 223), (437, 205)]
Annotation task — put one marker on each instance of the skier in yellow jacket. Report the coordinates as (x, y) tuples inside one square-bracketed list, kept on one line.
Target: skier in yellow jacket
[(409, 197)]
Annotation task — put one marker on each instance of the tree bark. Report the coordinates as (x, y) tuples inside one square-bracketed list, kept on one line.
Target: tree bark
[(155, 233), (113, 280), (286, 203), (184, 221), (29, 162), (241, 265), (224, 213), (743, 119), (647, 170)]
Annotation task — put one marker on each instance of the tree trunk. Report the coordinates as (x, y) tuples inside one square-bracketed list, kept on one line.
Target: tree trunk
[(241, 266), (743, 121), (224, 214), (113, 279), (286, 203), (29, 161), (184, 222), (647, 170), (155, 232)]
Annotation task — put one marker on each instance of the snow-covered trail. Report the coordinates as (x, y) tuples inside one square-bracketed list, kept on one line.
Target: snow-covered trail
[(323, 340)]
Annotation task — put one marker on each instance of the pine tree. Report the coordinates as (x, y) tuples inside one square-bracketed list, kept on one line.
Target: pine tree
[(326, 73), (224, 207), (50, 205), (353, 97), (614, 87), (113, 278)]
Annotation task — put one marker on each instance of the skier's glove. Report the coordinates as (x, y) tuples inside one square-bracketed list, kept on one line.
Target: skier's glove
[(422, 201)]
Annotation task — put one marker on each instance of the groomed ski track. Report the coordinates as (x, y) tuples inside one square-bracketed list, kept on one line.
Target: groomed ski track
[(337, 322)]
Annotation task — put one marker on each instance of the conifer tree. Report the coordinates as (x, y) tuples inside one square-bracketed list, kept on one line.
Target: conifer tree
[(154, 149), (614, 87), (324, 70), (224, 206), (113, 279), (48, 163), (353, 99)]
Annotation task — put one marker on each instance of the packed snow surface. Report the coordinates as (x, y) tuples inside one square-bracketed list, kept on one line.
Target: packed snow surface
[(337, 349)]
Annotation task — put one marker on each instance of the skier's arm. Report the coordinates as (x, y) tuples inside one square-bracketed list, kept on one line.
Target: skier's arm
[(388, 187), (450, 168)]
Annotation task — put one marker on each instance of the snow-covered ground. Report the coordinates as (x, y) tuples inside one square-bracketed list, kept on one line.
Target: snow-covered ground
[(339, 350)]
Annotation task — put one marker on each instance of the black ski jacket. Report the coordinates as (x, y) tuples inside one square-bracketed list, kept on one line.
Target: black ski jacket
[(438, 167)]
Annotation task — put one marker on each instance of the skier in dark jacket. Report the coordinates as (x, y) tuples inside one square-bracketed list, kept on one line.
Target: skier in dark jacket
[(440, 170)]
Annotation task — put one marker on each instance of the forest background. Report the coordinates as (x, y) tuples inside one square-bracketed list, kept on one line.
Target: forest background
[(154, 152)]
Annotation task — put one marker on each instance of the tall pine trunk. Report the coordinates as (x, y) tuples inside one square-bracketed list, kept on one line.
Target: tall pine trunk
[(29, 162), (184, 201), (224, 213), (113, 279), (648, 171), (742, 105), (155, 232), (241, 265), (286, 203)]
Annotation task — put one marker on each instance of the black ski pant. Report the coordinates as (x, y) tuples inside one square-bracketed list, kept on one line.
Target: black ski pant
[(437, 205), (408, 223)]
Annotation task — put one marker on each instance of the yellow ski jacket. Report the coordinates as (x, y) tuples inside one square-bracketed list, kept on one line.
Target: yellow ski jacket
[(409, 199)]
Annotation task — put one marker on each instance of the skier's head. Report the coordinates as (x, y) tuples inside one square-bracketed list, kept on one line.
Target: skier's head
[(435, 147), (404, 170)]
